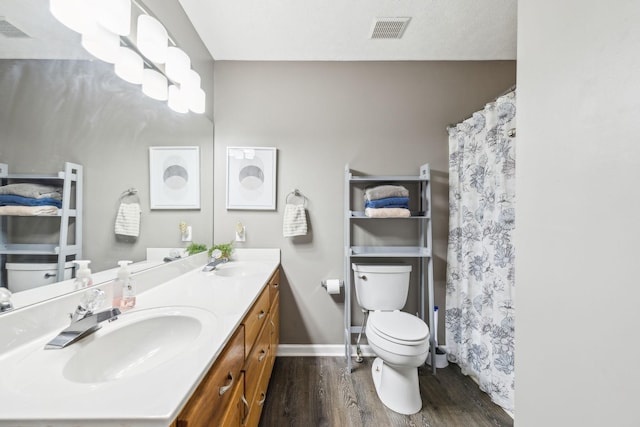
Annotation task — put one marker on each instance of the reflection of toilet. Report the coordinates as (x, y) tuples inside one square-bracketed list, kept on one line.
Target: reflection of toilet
[(399, 339), (24, 276)]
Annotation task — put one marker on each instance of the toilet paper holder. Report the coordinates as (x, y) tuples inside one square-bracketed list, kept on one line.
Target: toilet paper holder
[(325, 283)]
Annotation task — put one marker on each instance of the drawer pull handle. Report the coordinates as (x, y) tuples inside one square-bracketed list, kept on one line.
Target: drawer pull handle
[(263, 398), (246, 405), (226, 388), (262, 314), (275, 285), (263, 354)]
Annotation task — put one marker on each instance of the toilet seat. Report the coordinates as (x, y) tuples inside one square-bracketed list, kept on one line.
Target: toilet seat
[(398, 327)]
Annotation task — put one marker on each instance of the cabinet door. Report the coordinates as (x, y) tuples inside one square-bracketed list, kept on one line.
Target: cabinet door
[(256, 318), (211, 399), (256, 362), (274, 285), (274, 324), (236, 410)]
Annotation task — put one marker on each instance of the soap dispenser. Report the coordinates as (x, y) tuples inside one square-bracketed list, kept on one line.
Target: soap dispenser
[(122, 278), (83, 275), (124, 293)]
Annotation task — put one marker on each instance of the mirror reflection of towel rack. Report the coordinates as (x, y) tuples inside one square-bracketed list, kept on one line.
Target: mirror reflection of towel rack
[(296, 197)]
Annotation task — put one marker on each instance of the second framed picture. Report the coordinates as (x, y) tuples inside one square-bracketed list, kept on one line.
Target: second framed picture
[(251, 178)]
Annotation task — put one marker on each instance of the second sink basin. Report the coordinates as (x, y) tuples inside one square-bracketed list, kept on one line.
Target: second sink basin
[(239, 269), (137, 342)]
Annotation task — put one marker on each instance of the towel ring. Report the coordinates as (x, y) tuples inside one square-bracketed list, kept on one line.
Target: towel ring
[(130, 196), (297, 194)]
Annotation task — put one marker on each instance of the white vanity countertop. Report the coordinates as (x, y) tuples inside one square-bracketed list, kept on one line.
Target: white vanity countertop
[(34, 390)]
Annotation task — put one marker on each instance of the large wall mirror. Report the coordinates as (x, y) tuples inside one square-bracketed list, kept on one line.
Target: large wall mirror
[(59, 105)]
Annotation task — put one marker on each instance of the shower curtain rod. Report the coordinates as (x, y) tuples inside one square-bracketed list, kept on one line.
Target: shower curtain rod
[(511, 89)]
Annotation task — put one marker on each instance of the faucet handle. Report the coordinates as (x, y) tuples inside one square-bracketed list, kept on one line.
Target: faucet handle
[(5, 300), (92, 299)]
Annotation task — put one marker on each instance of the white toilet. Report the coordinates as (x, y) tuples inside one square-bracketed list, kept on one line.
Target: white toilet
[(399, 339)]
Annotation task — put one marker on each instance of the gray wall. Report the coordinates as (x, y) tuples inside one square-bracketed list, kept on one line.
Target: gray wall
[(577, 225), (380, 117)]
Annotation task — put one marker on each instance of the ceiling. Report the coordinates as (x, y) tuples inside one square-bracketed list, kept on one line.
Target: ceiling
[(339, 30), (302, 30)]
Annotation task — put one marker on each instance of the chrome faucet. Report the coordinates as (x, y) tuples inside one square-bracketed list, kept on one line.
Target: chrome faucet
[(216, 260), (84, 321)]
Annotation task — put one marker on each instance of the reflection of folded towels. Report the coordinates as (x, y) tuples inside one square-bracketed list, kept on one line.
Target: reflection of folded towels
[(384, 191), (387, 213), (295, 221), (13, 200), (36, 191), (389, 202), (28, 210), (128, 219)]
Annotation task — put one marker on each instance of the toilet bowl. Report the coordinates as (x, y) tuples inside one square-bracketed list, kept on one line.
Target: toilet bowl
[(401, 342), (399, 339)]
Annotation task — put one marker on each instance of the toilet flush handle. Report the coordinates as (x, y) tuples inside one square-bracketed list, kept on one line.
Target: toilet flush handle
[(362, 276)]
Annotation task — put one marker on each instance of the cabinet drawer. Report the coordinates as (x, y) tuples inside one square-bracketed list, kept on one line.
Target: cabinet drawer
[(274, 285), (234, 414), (256, 361), (210, 400), (255, 407), (256, 318)]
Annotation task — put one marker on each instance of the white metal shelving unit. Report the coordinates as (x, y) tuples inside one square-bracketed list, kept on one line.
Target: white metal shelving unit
[(421, 251), (71, 212)]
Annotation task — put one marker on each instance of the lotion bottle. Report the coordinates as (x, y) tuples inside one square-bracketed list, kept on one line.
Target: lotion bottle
[(118, 285), (125, 289), (83, 275)]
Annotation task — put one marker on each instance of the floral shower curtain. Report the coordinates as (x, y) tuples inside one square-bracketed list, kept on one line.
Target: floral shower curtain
[(479, 320)]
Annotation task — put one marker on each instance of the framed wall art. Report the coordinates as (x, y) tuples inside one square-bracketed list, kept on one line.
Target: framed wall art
[(174, 177), (251, 178)]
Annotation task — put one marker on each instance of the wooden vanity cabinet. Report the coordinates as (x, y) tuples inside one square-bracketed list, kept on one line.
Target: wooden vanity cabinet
[(210, 402), (242, 371)]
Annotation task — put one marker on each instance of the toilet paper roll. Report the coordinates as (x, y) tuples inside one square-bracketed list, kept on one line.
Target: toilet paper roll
[(333, 286)]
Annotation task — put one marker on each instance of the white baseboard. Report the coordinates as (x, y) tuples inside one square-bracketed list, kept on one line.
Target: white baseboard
[(316, 350), (323, 350)]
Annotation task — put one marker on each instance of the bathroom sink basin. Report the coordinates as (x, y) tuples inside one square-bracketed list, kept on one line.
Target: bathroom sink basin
[(239, 269), (137, 342)]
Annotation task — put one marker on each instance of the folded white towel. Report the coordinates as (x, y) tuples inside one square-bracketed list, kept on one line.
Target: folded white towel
[(295, 221), (128, 219), (29, 210), (387, 212)]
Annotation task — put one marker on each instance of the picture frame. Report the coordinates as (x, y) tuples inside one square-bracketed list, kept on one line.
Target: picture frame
[(174, 177), (251, 178)]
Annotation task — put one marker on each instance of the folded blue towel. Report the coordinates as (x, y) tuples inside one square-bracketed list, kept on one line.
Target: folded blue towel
[(13, 200), (389, 202)]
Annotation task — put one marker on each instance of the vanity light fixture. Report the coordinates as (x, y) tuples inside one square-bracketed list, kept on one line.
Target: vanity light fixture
[(177, 100), (102, 43), (164, 71), (115, 16), (178, 64), (152, 40), (154, 84), (129, 66)]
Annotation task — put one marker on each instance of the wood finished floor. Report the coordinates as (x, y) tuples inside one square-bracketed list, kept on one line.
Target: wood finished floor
[(317, 391)]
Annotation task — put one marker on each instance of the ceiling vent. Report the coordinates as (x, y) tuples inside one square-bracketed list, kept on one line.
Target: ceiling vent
[(389, 28), (7, 29)]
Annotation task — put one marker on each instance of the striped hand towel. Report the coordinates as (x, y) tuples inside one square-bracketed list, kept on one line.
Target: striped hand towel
[(128, 219), (295, 221)]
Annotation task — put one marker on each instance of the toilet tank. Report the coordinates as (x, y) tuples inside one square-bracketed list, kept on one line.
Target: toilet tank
[(381, 286)]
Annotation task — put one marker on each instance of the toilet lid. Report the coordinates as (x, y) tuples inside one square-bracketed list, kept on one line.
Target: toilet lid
[(398, 326)]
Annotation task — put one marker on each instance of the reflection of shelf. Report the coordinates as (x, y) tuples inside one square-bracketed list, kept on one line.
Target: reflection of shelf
[(415, 215), (36, 249), (390, 251), (69, 218)]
